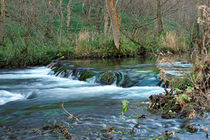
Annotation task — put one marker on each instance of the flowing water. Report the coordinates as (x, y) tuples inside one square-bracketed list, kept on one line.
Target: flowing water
[(31, 98)]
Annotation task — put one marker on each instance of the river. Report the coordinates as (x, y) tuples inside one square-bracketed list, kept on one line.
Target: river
[(30, 98)]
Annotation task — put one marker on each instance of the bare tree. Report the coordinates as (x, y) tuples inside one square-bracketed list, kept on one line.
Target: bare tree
[(114, 22), (68, 13), (61, 22), (106, 18), (2, 22), (159, 17), (33, 12)]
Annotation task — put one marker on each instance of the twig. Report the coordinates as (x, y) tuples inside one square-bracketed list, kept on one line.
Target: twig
[(70, 115)]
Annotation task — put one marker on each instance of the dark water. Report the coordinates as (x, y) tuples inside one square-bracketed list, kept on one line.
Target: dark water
[(31, 98)]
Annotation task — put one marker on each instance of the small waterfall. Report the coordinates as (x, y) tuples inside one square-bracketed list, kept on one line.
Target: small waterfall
[(122, 78)]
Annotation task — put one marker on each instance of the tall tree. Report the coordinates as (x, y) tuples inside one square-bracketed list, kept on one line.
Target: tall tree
[(114, 22), (118, 6), (106, 18), (33, 12), (68, 13), (2, 22), (61, 22), (206, 37), (159, 17)]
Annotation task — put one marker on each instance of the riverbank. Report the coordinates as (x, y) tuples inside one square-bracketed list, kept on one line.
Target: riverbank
[(189, 96), (15, 57), (20, 57)]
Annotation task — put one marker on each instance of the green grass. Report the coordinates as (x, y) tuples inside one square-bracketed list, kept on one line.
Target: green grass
[(19, 57), (100, 47)]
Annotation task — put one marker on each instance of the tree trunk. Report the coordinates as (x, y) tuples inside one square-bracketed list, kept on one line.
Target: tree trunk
[(119, 11), (89, 14), (3, 22), (61, 22), (33, 13), (68, 13), (106, 18), (114, 22), (118, 6), (159, 17), (206, 37)]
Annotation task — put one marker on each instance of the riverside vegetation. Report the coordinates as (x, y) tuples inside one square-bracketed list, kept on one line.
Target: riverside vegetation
[(36, 34), (189, 95)]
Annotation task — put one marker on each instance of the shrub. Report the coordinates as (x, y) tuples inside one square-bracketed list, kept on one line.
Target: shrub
[(173, 42)]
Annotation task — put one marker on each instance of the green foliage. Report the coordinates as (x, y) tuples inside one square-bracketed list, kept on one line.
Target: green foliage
[(183, 98), (189, 89), (180, 83), (21, 56), (156, 70), (125, 106), (128, 48), (178, 90)]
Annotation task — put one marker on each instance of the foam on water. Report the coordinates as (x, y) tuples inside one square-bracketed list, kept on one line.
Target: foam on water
[(112, 91), (37, 72), (176, 64), (58, 88), (6, 97)]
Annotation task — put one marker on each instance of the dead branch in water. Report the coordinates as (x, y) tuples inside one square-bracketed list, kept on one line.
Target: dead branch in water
[(68, 113)]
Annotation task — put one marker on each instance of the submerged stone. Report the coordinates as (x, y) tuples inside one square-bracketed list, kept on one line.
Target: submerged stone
[(127, 82), (32, 95), (190, 128)]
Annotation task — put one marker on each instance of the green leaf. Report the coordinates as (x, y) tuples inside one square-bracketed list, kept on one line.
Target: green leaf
[(189, 89), (182, 98), (125, 106), (178, 90)]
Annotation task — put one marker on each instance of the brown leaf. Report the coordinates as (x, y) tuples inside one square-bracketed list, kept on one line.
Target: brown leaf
[(206, 128)]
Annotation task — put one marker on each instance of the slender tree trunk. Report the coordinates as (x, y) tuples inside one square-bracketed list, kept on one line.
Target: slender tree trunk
[(106, 18), (114, 22), (118, 5), (33, 13), (61, 21), (206, 36), (89, 14), (42, 7), (208, 21), (3, 22), (68, 13), (159, 17), (119, 11), (98, 18), (207, 3)]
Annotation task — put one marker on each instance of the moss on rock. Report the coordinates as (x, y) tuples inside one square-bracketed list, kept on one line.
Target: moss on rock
[(107, 78), (86, 75)]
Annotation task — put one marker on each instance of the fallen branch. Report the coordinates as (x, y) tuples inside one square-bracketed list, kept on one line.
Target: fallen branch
[(68, 113)]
